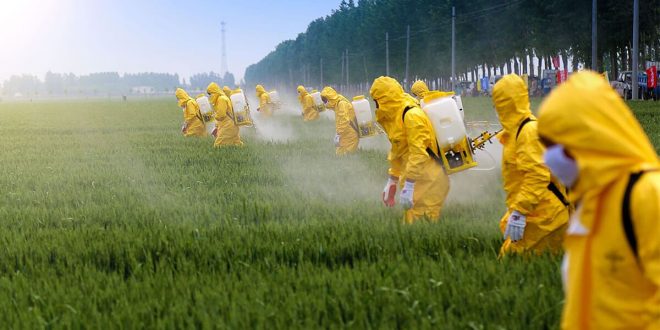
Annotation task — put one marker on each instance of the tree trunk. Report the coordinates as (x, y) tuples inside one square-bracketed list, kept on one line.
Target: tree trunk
[(508, 66), (624, 59), (564, 57), (524, 63)]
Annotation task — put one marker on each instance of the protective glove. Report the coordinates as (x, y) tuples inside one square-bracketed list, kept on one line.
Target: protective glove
[(515, 226), (390, 191), (336, 140), (406, 197), (184, 127), (215, 132)]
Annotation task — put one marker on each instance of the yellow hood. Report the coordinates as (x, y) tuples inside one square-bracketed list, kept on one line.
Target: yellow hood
[(214, 93), (391, 99), (260, 90), (419, 89), (332, 96), (302, 92), (182, 97), (511, 102), (595, 126)]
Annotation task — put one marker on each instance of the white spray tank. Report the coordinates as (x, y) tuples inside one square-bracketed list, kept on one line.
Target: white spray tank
[(364, 116), (318, 101), (275, 100), (455, 150), (204, 105), (207, 113), (459, 104), (274, 97), (241, 109)]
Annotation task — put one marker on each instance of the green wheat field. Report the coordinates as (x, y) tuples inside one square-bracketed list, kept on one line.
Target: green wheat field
[(109, 218)]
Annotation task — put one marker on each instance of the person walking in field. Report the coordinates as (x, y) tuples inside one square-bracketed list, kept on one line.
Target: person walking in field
[(612, 263), (227, 133), (346, 129), (193, 122), (537, 206), (425, 184), (420, 90), (308, 110), (265, 103)]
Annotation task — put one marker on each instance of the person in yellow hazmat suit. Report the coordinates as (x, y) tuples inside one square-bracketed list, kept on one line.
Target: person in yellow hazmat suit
[(265, 104), (227, 133), (193, 123), (413, 157), (612, 263), (537, 205), (307, 103), (420, 90), (346, 136)]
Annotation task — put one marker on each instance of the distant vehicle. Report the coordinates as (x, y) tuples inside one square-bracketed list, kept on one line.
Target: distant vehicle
[(623, 85)]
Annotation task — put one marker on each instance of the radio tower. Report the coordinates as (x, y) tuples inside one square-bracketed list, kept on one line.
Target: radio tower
[(224, 69)]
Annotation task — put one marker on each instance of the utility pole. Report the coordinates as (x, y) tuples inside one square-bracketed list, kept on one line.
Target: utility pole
[(453, 48), (347, 69), (321, 73), (223, 66), (594, 35), (387, 54), (407, 56), (635, 50), (341, 81)]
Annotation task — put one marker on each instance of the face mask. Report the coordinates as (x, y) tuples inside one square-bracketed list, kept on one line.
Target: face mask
[(561, 166)]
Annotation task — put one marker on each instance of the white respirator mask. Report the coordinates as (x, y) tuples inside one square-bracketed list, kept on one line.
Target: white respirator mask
[(561, 166)]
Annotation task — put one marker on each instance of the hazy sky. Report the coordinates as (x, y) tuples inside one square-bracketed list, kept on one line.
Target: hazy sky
[(83, 36)]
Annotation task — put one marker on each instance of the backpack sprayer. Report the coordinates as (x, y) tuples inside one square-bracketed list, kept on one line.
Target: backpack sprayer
[(206, 111), (275, 100), (241, 108), (318, 101), (366, 124), (455, 148)]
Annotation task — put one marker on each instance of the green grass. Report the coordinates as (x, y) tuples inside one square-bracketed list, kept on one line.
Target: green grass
[(111, 219)]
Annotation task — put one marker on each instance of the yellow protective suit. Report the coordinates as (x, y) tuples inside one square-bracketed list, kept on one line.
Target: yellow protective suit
[(265, 105), (607, 286), (308, 110), (227, 91), (345, 121), (227, 131), (526, 178), (419, 89), (192, 116), (409, 157)]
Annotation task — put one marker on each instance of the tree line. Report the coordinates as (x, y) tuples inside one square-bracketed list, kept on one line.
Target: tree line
[(521, 36), (69, 84)]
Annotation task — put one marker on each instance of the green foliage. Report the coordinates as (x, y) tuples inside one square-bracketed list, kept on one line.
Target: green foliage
[(111, 219), (491, 32)]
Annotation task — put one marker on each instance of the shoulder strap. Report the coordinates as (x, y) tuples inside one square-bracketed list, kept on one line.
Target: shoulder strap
[(626, 215), (405, 111), (555, 190), (524, 122)]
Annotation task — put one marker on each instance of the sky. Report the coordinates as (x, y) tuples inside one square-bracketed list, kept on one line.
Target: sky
[(129, 36)]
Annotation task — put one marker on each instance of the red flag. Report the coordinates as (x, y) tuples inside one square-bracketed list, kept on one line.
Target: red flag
[(652, 77), (555, 62), (559, 77), (564, 75)]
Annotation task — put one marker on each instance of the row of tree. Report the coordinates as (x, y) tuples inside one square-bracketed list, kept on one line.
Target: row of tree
[(108, 83), (519, 36)]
